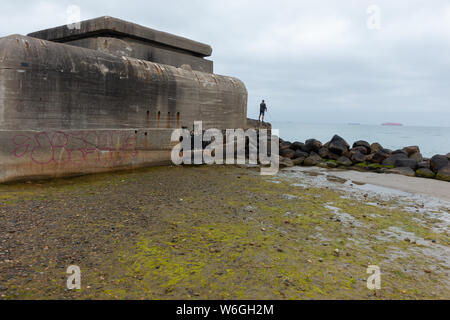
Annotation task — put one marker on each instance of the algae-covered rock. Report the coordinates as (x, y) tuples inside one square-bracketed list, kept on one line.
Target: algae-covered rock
[(425, 173), (323, 165), (444, 173), (375, 166), (312, 160), (344, 161), (405, 171), (438, 162), (298, 161), (362, 166), (331, 164), (286, 162)]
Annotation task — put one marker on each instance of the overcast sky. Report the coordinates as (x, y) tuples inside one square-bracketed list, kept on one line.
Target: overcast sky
[(312, 61)]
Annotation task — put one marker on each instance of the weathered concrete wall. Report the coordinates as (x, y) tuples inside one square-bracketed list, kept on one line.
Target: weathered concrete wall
[(69, 110), (50, 153), (124, 38), (46, 85), (141, 50), (113, 26), (255, 124)]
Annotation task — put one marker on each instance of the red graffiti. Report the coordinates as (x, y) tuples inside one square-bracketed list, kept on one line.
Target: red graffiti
[(75, 147)]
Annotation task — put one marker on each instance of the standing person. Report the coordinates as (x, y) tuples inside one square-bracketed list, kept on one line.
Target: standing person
[(262, 110)]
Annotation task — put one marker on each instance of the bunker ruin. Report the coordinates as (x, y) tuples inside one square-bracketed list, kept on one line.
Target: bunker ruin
[(105, 96)]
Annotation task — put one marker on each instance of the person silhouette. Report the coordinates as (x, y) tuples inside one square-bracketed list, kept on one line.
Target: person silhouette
[(262, 110)]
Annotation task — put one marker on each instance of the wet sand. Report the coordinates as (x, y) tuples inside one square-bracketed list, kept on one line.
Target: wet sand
[(430, 187), (220, 233)]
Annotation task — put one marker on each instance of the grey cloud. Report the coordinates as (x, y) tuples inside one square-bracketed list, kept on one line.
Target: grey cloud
[(312, 60)]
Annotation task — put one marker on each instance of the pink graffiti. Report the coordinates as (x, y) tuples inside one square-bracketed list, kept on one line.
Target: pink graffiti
[(67, 148)]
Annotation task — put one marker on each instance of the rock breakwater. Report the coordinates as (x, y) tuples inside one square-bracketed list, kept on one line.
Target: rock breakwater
[(364, 156)]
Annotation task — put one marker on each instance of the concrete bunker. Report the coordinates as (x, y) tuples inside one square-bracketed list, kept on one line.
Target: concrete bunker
[(104, 97)]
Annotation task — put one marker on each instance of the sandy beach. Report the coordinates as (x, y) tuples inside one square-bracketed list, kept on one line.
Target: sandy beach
[(429, 187), (225, 233)]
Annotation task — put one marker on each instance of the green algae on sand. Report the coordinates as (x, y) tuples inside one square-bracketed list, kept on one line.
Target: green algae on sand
[(212, 233)]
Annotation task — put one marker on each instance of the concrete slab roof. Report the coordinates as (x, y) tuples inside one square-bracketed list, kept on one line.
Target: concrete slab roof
[(109, 26)]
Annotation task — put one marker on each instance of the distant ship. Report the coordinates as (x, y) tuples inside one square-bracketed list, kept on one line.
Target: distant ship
[(354, 124), (392, 124)]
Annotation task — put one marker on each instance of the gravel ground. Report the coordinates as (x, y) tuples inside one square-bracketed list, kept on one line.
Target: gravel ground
[(213, 233)]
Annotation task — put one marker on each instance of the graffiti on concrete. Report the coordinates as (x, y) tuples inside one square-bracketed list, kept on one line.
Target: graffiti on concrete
[(75, 147)]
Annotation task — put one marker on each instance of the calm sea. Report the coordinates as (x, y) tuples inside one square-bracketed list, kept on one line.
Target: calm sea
[(431, 140)]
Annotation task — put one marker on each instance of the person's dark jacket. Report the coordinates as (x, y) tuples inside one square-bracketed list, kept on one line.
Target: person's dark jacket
[(262, 107)]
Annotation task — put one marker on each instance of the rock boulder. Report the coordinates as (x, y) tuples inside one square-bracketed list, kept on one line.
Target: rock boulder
[(331, 164), (417, 156), (411, 150), (444, 173), (287, 153), (333, 156), (364, 144), (423, 165), (323, 152), (400, 151), (298, 161), (301, 154), (285, 145), (286, 162), (406, 171), (379, 157), (425, 173), (338, 145), (375, 147), (438, 162), (344, 161), (358, 157), (312, 145), (312, 160), (297, 146), (394, 157), (410, 163), (360, 149)]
